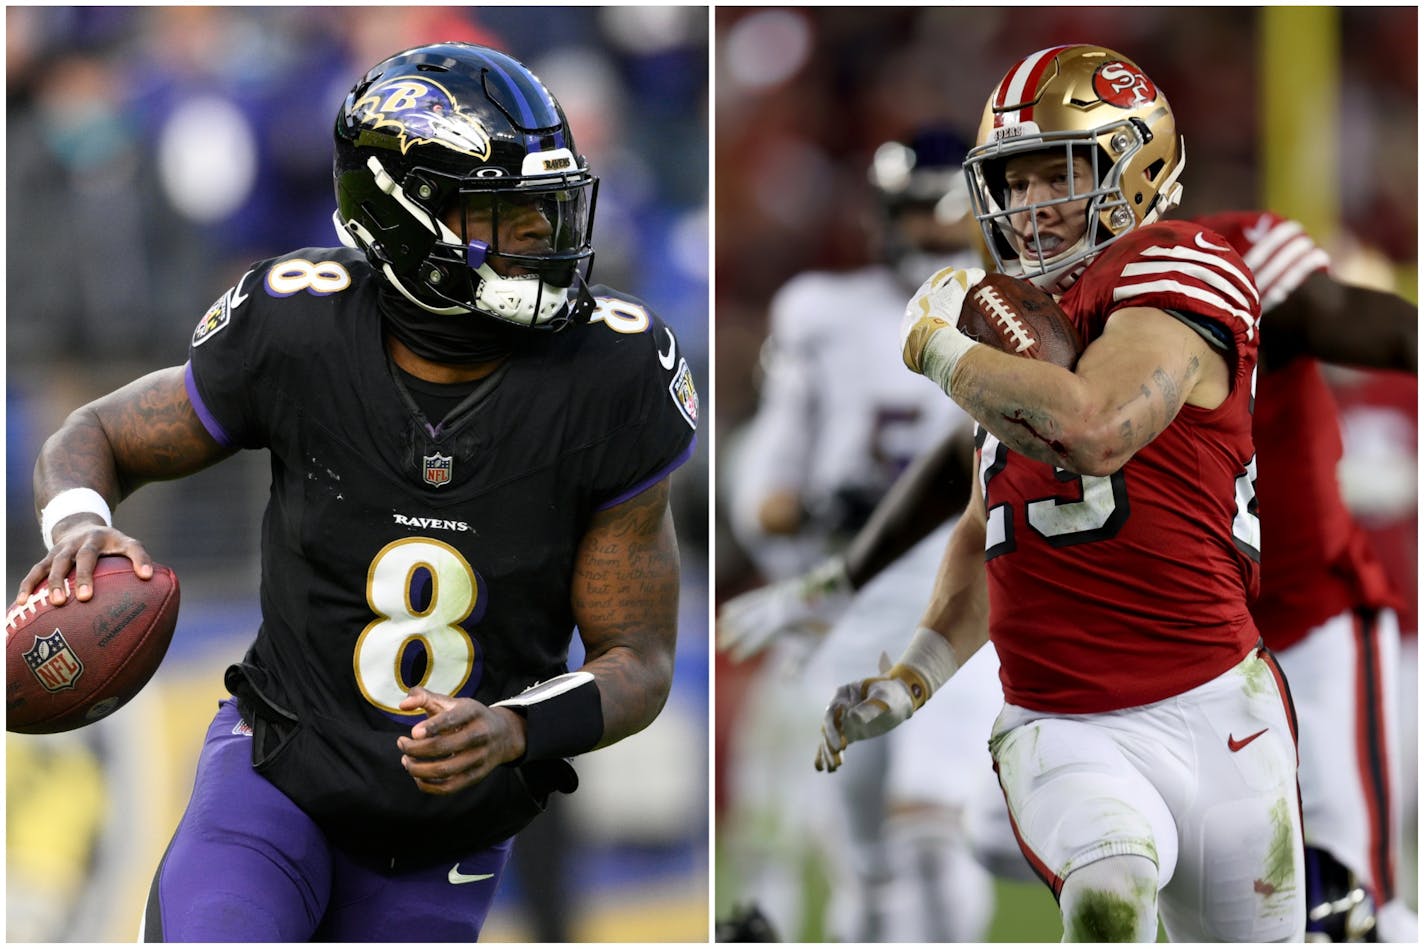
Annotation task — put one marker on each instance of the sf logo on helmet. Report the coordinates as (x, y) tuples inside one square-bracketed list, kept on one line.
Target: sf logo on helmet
[(1123, 85), (421, 112)]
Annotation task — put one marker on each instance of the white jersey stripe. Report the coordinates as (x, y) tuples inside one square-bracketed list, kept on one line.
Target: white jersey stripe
[(1294, 277), (1263, 249), (1199, 257), (1204, 274), (1187, 290), (1287, 260)]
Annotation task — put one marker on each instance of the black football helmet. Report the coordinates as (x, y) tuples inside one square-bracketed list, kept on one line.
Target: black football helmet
[(438, 145)]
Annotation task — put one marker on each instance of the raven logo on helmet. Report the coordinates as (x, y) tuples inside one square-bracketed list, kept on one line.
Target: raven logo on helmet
[(421, 112)]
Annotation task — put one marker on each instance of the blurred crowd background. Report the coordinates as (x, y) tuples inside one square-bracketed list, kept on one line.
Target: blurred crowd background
[(153, 154), (1310, 112)]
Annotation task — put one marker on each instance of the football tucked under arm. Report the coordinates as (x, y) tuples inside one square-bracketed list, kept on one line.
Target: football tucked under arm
[(957, 310), (1015, 317)]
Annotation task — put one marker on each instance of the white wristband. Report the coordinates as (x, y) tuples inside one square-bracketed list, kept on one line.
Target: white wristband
[(69, 502), (929, 655), (942, 353)]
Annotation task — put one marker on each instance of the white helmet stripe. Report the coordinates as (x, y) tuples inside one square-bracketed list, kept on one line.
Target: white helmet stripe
[(1011, 91)]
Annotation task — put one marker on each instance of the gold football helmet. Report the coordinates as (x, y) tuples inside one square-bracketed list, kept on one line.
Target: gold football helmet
[(1094, 103)]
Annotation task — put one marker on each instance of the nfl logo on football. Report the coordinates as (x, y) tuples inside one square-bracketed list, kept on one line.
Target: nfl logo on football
[(437, 469), (54, 663)]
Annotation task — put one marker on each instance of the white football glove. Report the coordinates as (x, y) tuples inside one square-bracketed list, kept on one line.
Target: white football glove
[(935, 307), (860, 710), (809, 603), (871, 707)]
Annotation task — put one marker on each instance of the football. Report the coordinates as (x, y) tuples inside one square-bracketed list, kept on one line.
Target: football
[(69, 666), (1015, 317)]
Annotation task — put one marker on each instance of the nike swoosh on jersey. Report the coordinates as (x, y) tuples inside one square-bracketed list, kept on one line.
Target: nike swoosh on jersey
[(1205, 244), (457, 877), (667, 358), (235, 297), (1236, 745), (1257, 232)]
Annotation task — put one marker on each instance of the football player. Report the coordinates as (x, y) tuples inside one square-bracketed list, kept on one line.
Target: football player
[(831, 433), (1324, 608), (1146, 748), (470, 450)]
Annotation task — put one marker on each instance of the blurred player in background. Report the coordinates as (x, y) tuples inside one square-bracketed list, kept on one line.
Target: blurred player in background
[(1328, 609), (457, 483), (835, 426), (1118, 521)]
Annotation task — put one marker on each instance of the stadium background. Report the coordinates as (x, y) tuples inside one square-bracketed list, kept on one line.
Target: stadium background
[(1311, 112), (152, 154)]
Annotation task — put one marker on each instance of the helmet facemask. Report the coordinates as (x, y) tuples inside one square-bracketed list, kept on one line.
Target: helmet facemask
[(1108, 213), (1083, 101), (475, 258), (457, 175), (520, 255)]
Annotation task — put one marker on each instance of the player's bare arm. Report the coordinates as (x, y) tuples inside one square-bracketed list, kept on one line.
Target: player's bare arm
[(934, 488), (1344, 324), (625, 591), (959, 603), (1129, 385), (953, 627), (145, 431), (625, 603)]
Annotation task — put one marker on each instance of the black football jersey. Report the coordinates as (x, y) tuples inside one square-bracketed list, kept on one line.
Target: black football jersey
[(399, 550)]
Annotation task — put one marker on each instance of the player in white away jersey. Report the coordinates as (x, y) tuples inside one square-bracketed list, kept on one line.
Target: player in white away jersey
[(838, 421)]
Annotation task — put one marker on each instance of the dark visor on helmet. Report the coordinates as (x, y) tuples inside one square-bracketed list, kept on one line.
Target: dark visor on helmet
[(544, 229)]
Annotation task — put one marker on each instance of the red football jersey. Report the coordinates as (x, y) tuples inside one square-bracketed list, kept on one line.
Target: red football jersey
[(1112, 592), (1318, 562)]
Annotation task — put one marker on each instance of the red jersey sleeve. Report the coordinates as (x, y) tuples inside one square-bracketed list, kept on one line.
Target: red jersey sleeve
[(1184, 269)]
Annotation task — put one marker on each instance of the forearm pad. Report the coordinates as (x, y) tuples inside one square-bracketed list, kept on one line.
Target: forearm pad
[(563, 716)]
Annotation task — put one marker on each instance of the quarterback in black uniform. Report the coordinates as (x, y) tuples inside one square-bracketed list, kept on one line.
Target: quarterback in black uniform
[(470, 449)]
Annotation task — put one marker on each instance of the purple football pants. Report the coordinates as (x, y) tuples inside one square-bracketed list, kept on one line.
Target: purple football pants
[(248, 865)]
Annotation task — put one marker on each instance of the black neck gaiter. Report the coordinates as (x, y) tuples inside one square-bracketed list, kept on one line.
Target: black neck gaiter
[(457, 340)]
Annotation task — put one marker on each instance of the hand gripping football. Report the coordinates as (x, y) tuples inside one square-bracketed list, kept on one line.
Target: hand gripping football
[(1015, 317), (69, 666)]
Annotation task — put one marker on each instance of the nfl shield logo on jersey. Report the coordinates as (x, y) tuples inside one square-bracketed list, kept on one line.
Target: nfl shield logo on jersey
[(437, 469), (54, 663)]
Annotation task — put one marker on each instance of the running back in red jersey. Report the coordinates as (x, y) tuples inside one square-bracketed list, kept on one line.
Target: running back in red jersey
[(1015, 317), (69, 666)]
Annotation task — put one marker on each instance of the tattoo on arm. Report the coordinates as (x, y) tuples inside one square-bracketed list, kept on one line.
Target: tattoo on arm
[(145, 431), (625, 590), (1037, 433)]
